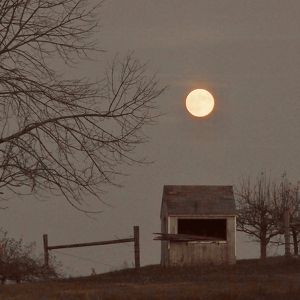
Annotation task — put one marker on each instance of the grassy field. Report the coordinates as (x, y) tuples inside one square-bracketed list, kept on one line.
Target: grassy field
[(275, 278)]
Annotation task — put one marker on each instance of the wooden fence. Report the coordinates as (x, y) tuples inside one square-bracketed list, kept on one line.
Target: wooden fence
[(135, 240)]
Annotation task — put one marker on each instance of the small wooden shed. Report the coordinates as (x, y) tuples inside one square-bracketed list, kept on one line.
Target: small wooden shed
[(198, 225)]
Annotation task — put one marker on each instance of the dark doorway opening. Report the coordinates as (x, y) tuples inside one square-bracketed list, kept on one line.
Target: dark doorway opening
[(216, 228)]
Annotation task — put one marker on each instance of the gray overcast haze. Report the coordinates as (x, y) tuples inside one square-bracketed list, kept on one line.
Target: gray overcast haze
[(247, 54)]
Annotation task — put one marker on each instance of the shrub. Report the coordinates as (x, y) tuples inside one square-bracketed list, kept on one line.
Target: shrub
[(19, 262)]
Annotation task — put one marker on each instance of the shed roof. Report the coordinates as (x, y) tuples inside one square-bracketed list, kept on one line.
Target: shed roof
[(198, 199)]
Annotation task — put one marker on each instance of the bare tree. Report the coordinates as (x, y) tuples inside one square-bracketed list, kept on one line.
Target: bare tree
[(286, 197), (64, 135), (19, 262), (255, 210)]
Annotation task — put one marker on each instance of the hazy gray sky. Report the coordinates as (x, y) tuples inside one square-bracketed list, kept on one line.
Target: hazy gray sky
[(247, 54)]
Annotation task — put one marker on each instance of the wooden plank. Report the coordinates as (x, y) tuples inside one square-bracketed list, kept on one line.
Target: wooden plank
[(46, 254), (185, 237), (136, 231), (295, 223), (92, 244)]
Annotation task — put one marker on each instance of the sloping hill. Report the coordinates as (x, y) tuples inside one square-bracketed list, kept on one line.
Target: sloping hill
[(274, 278)]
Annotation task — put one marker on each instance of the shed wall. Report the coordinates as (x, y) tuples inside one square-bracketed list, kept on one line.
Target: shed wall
[(164, 229), (197, 253), (187, 254)]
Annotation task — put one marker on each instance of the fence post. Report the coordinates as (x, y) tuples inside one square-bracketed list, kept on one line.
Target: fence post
[(136, 230), (286, 218), (46, 255)]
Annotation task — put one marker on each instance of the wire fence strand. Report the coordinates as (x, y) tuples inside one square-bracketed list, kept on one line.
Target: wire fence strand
[(82, 258)]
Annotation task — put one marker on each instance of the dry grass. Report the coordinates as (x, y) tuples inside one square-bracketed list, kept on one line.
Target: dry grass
[(275, 278)]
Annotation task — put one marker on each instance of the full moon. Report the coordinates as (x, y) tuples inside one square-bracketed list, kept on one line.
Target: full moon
[(200, 103)]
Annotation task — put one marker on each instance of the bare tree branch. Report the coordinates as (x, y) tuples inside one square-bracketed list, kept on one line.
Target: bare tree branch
[(66, 136), (260, 210), (255, 210), (287, 198)]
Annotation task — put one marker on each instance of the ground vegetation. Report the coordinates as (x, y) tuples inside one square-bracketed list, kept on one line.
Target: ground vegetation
[(20, 262)]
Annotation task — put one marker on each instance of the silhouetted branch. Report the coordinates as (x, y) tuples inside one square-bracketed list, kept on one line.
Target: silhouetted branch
[(66, 136)]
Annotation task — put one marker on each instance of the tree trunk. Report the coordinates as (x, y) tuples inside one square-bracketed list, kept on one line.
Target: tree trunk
[(263, 247), (295, 242)]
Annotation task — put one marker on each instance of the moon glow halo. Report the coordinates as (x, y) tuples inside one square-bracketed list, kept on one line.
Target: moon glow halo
[(200, 103)]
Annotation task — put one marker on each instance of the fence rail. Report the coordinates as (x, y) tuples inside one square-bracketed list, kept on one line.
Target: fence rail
[(135, 240)]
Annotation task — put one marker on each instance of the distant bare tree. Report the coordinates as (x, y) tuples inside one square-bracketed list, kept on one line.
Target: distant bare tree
[(255, 210), (286, 197), (19, 262), (65, 135)]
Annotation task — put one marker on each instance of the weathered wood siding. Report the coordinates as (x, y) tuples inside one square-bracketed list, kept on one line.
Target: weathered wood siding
[(187, 254), (197, 253), (164, 244), (197, 202)]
